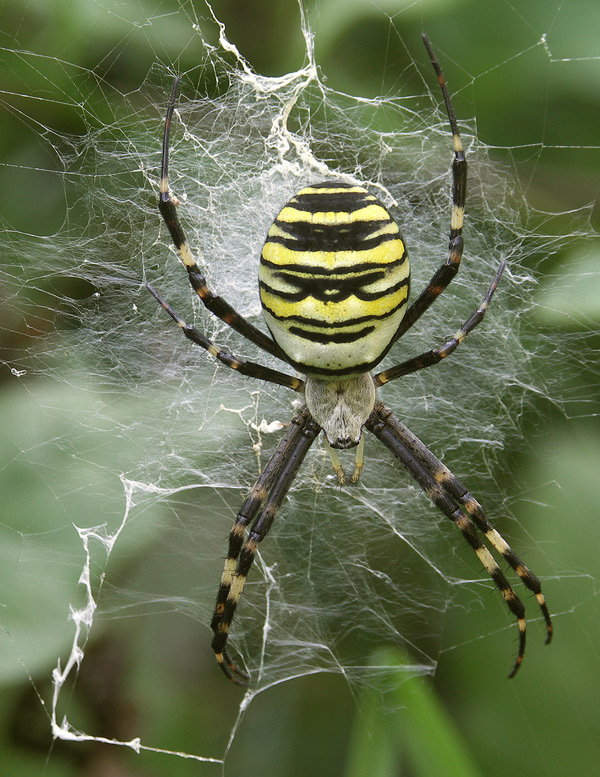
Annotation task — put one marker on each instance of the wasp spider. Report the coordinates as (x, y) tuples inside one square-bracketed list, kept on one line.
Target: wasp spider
[(334, 282)]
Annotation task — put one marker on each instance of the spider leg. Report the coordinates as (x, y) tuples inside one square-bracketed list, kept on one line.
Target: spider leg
[(217, 305), (260, 508), (453, 499), (459, 492), (448, 270), (244, 367), (435, 355)]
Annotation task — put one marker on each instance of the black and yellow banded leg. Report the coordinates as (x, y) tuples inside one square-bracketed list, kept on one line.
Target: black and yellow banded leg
[(261, 507), (244, 367), (433, 479), (217, 305), (252, 504), (435, 355), (448, 270), (474, 510), (247, 513)]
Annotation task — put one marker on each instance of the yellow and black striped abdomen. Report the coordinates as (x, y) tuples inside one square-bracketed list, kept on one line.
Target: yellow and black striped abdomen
[(334, 280)]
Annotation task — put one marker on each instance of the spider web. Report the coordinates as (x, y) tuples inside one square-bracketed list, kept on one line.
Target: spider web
[(141, 448)]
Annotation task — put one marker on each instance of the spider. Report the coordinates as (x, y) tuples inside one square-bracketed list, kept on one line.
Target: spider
[(334, 282)]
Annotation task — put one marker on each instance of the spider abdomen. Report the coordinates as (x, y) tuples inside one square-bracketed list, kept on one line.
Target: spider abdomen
[(334, 279)]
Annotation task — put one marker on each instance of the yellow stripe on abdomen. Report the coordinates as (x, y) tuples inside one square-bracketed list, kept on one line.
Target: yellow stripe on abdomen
[(334, 280)]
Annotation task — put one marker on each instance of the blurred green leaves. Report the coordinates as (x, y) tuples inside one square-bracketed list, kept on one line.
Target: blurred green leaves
[(570, 299), (407, 730)]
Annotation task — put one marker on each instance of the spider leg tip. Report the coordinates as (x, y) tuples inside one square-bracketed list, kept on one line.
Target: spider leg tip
[(231, 671), (241, 683), (515, 668)]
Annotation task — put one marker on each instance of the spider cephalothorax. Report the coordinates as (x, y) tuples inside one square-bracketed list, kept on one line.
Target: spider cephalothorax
[(334, 283)]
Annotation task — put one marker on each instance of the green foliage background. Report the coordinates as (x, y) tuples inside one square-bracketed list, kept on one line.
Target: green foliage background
[(469, 719)]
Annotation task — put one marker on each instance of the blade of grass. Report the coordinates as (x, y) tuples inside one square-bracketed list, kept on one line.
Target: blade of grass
[(407, 725)]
